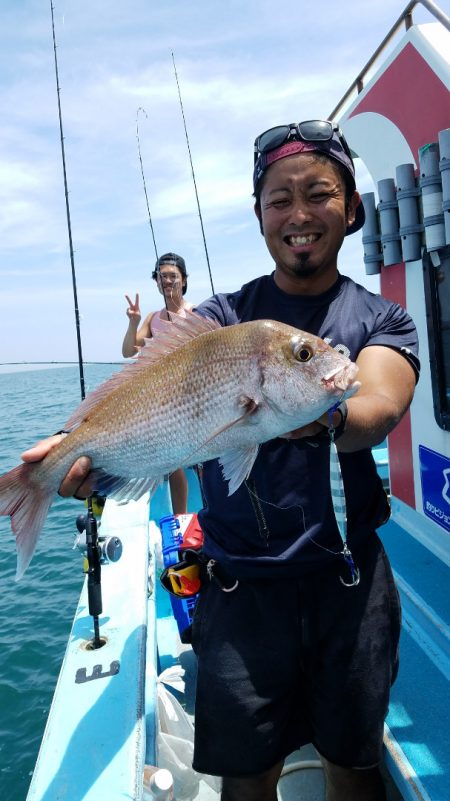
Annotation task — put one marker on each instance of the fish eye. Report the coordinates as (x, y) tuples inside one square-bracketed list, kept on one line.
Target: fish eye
[(303, 352)]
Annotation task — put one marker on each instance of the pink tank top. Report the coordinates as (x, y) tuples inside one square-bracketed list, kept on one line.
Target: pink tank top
[(159, 318)]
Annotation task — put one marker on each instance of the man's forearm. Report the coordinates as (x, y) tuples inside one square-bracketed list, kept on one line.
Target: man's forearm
[(370, 419)]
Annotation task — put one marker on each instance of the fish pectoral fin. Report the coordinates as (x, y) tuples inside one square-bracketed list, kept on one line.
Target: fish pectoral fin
[(249, 404), (236, 466), (250, 407), (121, 489)]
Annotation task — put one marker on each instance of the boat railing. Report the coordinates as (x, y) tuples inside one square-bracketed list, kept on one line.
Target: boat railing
[(405, 19)]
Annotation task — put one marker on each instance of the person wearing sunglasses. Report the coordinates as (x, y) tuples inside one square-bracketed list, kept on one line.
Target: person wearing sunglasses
[(294, 643), (304, 650), (171, 276)]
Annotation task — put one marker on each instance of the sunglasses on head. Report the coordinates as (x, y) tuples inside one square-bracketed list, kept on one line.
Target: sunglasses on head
[(308, 131)]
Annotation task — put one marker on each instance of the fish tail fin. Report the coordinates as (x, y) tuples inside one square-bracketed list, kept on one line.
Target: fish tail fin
[(27, 503)]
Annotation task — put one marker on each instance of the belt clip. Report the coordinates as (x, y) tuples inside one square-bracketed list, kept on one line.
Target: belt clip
[(214, 572)]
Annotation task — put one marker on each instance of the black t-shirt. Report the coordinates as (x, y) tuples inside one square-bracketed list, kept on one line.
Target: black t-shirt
[(280, 522)]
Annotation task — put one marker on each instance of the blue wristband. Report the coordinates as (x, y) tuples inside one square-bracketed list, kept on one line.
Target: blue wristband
[(340, 428)]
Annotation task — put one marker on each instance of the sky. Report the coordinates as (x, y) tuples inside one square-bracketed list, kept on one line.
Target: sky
[(243, 66)]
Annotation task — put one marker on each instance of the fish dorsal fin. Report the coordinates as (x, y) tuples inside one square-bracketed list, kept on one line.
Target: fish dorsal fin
[(237, 464), (173, 335)]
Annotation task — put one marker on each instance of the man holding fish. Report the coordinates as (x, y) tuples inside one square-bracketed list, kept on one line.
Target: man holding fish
[(297, 642)]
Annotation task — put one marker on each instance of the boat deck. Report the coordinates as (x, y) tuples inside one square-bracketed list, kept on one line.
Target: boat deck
[(106, 701), (418, 714)]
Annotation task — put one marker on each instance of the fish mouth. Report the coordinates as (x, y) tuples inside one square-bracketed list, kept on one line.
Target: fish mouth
[(342, 380)]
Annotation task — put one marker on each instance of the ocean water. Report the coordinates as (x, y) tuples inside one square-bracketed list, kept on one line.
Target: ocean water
[(35, 613)]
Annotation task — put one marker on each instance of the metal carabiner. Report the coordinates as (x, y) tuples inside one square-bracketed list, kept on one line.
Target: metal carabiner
[(355, 573)]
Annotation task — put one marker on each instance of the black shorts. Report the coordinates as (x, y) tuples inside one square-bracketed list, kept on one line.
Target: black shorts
[(288, 662)]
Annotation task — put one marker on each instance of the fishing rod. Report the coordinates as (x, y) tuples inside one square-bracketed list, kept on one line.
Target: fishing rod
[(52, 362), (92, 546), (163, 287), (69, 226), (193, 173), (143, 177)]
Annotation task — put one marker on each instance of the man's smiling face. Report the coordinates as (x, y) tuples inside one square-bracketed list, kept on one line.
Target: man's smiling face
[(304, 220)]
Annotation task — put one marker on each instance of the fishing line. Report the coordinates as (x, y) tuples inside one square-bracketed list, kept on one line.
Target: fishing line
[(278, 506), (345, 552), (298, 506), (193, 174)]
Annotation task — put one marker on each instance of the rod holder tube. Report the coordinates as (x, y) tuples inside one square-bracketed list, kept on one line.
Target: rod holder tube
[(430, 183), (411, 228), (444, 167), (389, 223), (371, 236)]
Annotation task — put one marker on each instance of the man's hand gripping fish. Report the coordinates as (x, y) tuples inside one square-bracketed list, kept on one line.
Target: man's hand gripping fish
[(196, 392)]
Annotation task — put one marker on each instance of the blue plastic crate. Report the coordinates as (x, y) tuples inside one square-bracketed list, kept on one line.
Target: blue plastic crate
[(183, 611), (171, 539), (183, 608)]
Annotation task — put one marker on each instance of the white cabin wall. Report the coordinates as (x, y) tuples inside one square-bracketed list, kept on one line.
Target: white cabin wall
[(368, 133)]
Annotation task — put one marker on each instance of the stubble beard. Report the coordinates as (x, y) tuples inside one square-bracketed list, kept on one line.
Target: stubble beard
[(302, 268)]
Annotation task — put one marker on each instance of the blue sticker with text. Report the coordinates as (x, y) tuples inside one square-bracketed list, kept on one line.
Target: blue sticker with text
[(435, 479)]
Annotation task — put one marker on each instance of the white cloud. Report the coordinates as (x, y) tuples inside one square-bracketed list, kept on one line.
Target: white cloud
[(242, 68)]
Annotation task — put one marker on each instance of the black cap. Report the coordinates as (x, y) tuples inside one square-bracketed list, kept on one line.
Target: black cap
[(177, 261), (172, 258)]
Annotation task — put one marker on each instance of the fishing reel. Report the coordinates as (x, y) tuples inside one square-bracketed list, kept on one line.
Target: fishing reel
[(109, 548)]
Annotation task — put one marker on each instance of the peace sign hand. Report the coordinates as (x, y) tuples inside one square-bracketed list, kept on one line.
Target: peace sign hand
[(133, 311)]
